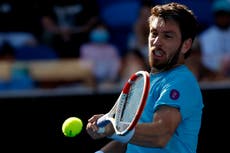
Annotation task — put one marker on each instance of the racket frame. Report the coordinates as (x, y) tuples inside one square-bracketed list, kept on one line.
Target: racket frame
[(114, 115)]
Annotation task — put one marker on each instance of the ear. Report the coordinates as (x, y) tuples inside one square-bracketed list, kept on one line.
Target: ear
[(186, 45)]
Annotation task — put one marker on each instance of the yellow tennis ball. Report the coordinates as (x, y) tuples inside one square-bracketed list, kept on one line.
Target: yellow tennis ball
[(72, 126)]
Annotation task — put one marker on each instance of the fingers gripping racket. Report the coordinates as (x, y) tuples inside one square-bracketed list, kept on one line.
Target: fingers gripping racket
[(127, 110)]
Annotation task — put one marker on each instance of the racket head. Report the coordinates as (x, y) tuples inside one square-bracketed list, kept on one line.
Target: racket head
[(107, 118), (131, 102)]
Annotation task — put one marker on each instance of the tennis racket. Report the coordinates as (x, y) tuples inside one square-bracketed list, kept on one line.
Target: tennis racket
[(128, 108)]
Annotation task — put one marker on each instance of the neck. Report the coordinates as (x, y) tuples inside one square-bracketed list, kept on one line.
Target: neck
[(155, 70)]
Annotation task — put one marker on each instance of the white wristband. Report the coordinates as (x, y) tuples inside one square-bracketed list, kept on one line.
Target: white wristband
[(99, 151), (123, 138)]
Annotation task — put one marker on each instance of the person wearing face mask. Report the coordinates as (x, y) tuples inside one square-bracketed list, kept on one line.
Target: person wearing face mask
[(214, 41), (171, 119), (103, 55), (99, 35)]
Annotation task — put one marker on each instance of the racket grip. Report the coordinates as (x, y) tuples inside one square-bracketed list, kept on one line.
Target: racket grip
[(102, 121)]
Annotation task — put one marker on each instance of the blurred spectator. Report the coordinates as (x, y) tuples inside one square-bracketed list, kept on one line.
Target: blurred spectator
[(103, 55), (132, 62), (19, 23), (138, 38), (66, 24), (136, 56), (20, 78), (14, 75), (214, 41), (225, 66), (202, 73)]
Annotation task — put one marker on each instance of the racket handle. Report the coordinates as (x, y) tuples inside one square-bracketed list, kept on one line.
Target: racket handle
[(102, 121)]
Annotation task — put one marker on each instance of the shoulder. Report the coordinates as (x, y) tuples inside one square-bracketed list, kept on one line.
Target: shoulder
[(181, 74)]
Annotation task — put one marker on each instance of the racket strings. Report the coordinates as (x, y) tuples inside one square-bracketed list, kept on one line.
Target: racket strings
[(132, 103)]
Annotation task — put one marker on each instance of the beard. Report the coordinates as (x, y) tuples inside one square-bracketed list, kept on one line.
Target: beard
[(173, 60)]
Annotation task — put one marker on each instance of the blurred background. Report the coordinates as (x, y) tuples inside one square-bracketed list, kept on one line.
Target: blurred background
[(62, 58)]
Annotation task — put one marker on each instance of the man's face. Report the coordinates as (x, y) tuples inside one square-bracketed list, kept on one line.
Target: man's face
[(164, 42)]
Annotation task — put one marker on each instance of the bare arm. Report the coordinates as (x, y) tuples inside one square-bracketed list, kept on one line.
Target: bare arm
[(156, 134)]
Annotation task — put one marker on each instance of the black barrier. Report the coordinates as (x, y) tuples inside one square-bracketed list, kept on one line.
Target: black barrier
[(33, 123)]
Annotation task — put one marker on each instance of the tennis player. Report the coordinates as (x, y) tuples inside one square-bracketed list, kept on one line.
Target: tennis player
[(171, 120)]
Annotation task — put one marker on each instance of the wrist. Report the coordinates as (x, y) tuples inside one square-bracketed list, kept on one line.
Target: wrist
[(123, 138)]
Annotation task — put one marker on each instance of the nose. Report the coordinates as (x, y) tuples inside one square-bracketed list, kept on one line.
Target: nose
[(155, 41)]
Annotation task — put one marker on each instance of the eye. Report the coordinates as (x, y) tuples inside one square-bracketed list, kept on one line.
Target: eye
[(153, 33), (168, 35)]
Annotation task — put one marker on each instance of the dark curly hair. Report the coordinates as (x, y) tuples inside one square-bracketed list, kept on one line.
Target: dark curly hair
[(182, 15)]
